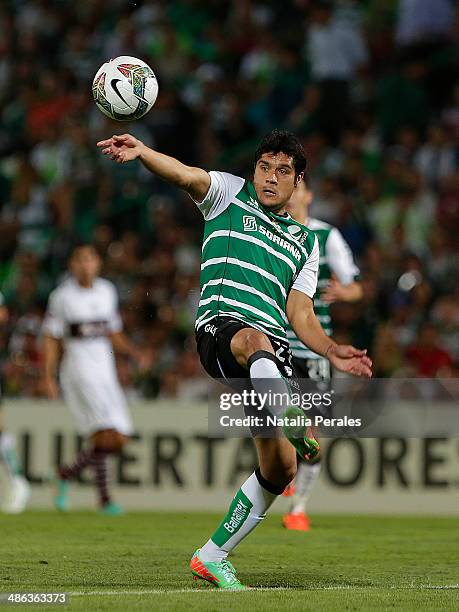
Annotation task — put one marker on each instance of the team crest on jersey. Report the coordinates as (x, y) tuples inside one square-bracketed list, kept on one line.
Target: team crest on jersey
[(294, 230), (303, 237), (250, 224)]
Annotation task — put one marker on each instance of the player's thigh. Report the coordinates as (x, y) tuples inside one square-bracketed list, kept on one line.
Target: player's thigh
[(277, 458), (120, 415), (214, 348), (96, 404), (76, 403)]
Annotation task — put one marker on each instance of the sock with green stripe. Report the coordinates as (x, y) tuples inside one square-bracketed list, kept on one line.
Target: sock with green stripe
[(246, 512)]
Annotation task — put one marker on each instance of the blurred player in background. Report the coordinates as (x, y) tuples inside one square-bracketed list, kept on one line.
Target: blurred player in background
[(83, 322), (16, 496), (337, 282), (257, 265)]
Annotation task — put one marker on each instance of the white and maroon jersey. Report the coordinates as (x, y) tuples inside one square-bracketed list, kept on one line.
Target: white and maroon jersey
[(83, 318)]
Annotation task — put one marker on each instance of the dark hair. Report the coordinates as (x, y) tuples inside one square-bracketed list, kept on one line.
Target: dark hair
[(281, 141), (82, 244)]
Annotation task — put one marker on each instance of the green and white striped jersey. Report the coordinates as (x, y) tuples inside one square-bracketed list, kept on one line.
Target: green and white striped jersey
[(335, 258), (251, 258)]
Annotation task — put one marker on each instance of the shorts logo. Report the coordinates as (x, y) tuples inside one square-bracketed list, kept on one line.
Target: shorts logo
[(210, 328), (250, 224)]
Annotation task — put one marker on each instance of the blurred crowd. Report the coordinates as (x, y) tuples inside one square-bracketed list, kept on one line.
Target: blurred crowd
[(372, 89)]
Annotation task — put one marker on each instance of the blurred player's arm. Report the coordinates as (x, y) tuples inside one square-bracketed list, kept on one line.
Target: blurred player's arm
[(121, 344), (4, 316), (337, 292), (53, 332), (343, 286), (302, 318), (52, 350), (124, 148), (346, 358)]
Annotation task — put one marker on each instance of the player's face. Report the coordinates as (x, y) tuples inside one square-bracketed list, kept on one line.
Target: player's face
[(85, 265), (299, 202), (274, 180)]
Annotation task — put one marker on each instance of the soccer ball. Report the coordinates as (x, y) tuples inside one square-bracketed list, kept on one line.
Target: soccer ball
[(125, 88)]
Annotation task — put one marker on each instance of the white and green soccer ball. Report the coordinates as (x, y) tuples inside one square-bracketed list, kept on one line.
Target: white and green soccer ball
[(125, 88)]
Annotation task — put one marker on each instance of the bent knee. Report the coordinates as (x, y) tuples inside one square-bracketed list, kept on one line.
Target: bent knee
[(108, 440), (256, 341), (282, 475), (247, 342)]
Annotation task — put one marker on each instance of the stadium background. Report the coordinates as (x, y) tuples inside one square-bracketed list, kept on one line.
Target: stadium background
[(372, 89)]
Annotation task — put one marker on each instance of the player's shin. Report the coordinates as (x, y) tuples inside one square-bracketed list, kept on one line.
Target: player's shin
[(100, 469), (246, 512)]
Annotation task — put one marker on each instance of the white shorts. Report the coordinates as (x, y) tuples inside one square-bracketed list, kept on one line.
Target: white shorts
[(97, 404)]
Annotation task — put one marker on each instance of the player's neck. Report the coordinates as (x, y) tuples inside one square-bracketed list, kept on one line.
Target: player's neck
[(85, 283), (301, 216)]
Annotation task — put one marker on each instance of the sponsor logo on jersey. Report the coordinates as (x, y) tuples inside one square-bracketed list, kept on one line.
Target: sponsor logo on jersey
[(285, 244), (89, 329), (250, 224)]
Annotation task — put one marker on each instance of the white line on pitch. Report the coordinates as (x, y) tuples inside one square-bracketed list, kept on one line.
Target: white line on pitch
[(210, 590)]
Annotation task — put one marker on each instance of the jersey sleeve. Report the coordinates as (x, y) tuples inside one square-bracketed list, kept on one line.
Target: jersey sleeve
[(306, 281), (223, 188), (54, 322), (340, 259), (115, 323)]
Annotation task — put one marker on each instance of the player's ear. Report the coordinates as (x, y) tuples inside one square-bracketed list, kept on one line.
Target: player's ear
[(299, 178)]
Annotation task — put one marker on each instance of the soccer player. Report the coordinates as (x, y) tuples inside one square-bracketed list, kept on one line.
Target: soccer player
[(337, 281), (18, 492), (258, 268), (82, 319)]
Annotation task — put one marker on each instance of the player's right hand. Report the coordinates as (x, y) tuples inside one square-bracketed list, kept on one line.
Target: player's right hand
[(346, 358), (121, 148), (50, 388)]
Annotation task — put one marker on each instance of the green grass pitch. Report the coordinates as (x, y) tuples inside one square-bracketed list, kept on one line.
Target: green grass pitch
[(140, 562)]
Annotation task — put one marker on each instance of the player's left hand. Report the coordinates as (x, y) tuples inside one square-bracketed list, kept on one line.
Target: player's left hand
[(121, 148), (347, 358)]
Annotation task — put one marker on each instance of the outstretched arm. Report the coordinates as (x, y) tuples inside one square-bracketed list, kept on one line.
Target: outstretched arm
[(124, 148), (300, 313)]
